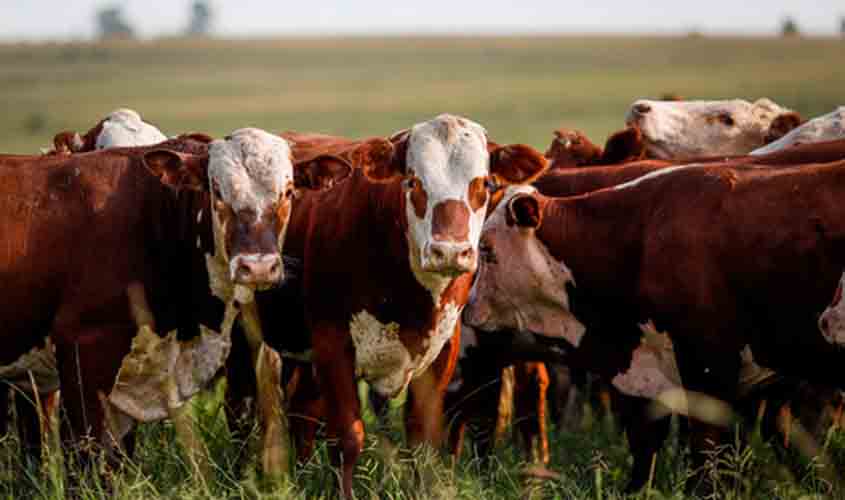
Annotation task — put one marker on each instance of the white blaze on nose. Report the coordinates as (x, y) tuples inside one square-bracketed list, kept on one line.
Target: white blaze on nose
[(445, 154), (124, 128), (521, 286), (832, 320)]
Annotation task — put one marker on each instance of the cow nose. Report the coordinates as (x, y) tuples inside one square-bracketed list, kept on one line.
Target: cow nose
[(642, 108), (823, 324), (450, 258), (257, 270)]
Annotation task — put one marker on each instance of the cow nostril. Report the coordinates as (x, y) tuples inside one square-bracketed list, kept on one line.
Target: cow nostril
[(824, 324), (642, 108), (274, 269), (466, 254), (244, 271), (437, 253)]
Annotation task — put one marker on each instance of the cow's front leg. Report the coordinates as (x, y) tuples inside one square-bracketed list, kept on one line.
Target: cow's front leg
[(424, 407), (334, 360)]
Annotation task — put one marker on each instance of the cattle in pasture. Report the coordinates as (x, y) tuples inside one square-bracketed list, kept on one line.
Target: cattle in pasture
[(690, 129), (829, 127), (105, 248), (571, 148), (673, 247), (388, 260), (121, 128)]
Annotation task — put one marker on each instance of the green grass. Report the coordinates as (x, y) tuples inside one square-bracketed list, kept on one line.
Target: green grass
[(593, 463), (519, 88)]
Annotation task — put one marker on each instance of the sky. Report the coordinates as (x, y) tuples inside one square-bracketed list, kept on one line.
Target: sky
[(74, 19)]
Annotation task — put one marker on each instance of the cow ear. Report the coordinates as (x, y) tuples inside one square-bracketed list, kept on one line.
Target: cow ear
[(781, 126), (382, 160), (67, 142), (524, 211), (625, 145), (178, 170), (321, 173), (516, 164)]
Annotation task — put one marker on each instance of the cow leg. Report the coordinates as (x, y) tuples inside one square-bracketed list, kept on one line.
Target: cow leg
[(709, 372), (335, 367), (88, 367), (240, 386), (426, 394), (645, 437), (27, 421), (531, 384), (306, 410)]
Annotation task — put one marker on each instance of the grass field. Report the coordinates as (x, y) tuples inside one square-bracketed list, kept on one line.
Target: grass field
[(519, 88)]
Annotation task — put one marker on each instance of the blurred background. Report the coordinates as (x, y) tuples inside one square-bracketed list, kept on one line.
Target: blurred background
[(370, 68)]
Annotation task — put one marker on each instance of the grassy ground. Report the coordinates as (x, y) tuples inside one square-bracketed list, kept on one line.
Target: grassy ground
[(520, 88), (593, 463)]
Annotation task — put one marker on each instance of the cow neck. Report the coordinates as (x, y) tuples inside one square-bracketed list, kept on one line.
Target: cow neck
[(180, 236), (596, 237)]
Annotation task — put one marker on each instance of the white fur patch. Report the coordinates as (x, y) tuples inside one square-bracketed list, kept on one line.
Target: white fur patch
[(383, 360), (828, 127), (651, 175), (124, 128), (40, 364), (653, 370), (832, 320), (685, 129), (445, 154), (520, 285)]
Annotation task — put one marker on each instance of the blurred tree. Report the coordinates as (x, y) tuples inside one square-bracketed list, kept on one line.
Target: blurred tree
[(201, 17), (789, 27), (842, 25), (112, 25)]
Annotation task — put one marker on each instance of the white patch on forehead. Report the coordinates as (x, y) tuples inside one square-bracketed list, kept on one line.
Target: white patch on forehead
[(651, 175), (653, 369), (251, 168), (521, 286), (683, 129), (832, 320), (383, 360), (124, 128), (445, 154), (829, 127)]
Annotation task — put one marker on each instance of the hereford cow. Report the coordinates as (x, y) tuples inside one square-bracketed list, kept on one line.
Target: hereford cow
[(537, 274), (829, 127), (121, 128), (388, 259), (571, 148), (99, 246), (689, 129)]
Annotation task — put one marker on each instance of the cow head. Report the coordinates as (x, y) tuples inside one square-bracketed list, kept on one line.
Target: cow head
[(832, 320), (571, 148), (252, 182), (519, 285), (624, 146), (123, 128), (446, 173), (829, 127), (67, 142), (686, 129)]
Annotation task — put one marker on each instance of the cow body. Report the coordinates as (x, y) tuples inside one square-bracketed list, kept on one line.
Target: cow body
[(712, 299)]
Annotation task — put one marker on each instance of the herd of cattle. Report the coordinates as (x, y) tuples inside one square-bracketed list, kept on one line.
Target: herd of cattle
[(700, 257)]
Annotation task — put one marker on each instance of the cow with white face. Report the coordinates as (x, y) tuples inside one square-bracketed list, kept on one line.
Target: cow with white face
[(121, 128), (389, 260), (690, 129), (829, 127)]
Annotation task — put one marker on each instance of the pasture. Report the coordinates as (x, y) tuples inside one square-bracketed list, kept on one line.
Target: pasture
[(520, 89)]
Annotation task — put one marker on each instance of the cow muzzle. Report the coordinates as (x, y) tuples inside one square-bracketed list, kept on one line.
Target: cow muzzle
[(257, 270), (450, 258)]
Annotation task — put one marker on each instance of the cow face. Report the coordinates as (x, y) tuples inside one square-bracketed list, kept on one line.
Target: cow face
[(832, 320), (252, 182), (519, 285), (124, 128), (829, 127), (571, 148), (676, 130), (446, 173)]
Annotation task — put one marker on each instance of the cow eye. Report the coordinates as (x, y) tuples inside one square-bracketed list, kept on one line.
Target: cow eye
[(290, 193), (726, 119), (490, 185), (485, 252), (411, 183)]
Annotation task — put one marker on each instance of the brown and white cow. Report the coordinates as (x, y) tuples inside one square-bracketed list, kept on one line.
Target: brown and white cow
[(99, 246), (121, 128), (689, 129), (571, 148), (389, 258), (824, 128), (707, 252)]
